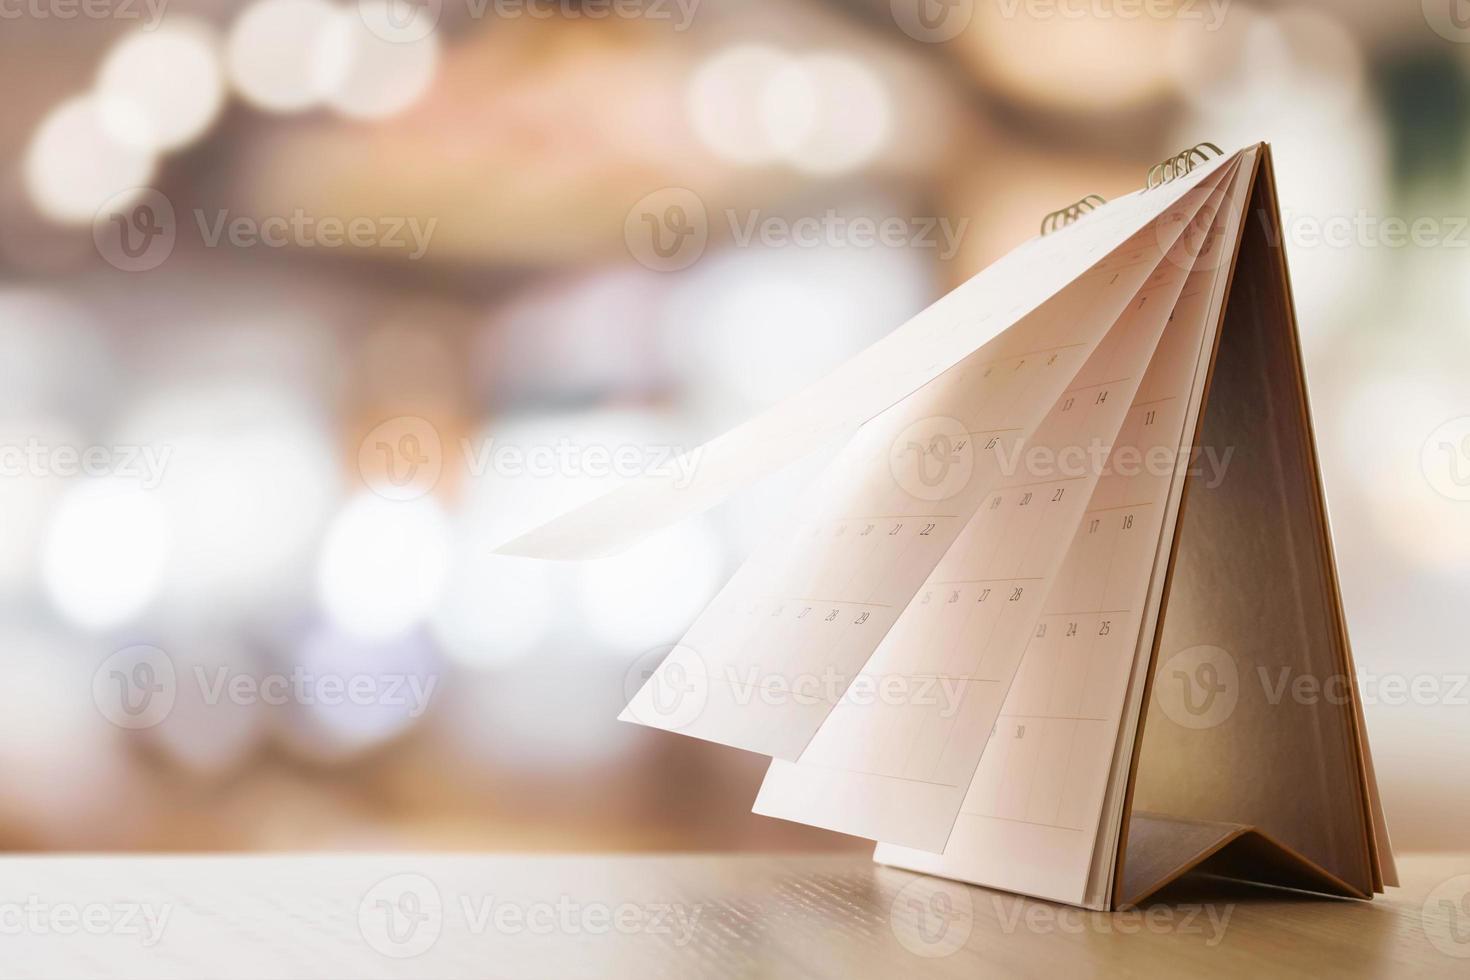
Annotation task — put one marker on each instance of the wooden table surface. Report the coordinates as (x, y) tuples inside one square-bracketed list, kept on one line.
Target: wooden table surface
[(681, 916)]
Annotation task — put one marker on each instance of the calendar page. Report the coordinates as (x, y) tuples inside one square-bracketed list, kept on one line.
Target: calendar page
[(914, 354), (1041, 570), (777, 649)]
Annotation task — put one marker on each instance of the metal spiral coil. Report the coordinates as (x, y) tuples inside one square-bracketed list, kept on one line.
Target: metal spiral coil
[(1180, 164), (1062, 217)]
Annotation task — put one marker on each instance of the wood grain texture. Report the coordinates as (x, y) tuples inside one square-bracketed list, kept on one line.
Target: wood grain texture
[(691, 916)]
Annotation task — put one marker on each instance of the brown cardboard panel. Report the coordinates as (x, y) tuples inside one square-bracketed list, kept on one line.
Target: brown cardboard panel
[(1380, 849), (1252, 718), (1164, 849)]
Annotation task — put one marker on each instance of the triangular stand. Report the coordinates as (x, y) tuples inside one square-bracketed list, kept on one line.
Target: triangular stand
[(1251, 760), (1164, 849)]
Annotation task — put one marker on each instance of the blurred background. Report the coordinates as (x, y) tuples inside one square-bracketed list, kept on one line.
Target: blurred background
[(308, 304)]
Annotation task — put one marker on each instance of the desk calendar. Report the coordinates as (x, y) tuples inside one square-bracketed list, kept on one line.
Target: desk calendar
[(1020, 630)]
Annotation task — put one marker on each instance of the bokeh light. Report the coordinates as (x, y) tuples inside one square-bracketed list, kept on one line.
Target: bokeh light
[(383, 565), (757, 324), (377, 58), (495, 609), (245, 474), (27, 495), (357, 694), (727, 105), (74, 163), (274, 53), (104, 551), (826, 113), (161, 89), (822, 112)]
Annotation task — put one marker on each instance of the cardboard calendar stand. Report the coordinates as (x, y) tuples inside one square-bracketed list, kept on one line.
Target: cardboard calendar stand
[(1282, 791)]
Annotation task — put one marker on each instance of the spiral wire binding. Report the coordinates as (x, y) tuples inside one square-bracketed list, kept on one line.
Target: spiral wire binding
[(1159, 174), (1062, 217), (1180, 164)]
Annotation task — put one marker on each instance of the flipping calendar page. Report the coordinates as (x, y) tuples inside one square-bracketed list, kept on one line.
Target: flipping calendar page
[(1002, 633)]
